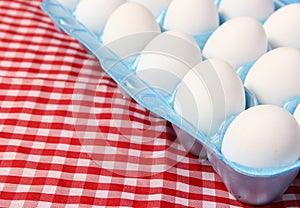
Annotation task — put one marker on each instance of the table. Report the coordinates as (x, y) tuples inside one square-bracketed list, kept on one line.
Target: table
[(53, 94)]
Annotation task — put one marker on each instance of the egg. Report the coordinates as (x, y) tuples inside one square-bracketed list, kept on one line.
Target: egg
[(297, 114), (129, 29), (155, 6), (254, 8), (166, 59), (264, 136), (94, 13), (69, 4), (275, 77), (208, 94), (259, 9), (238, 41), (283, 27), (192, 16)]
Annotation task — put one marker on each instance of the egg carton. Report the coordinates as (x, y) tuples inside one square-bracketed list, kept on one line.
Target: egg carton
[(249, 185)]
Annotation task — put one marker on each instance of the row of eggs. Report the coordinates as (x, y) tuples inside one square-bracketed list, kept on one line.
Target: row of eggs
[(207, 92), (100, 15)]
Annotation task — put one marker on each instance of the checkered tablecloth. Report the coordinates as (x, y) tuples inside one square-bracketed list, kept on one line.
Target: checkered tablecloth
[(69, 138)]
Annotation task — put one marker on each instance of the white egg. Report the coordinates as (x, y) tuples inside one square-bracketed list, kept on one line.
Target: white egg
[(238, 41), (129, 29), (297, 114), (259, 9), (192, 16), (283, 27), (208, 94), (263, 136), (155, 6), (94, 13), (167, 58), (275, 77), (69, 4)]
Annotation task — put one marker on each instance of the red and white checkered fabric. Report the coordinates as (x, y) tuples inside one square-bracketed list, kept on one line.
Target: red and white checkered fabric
[(68, 138)]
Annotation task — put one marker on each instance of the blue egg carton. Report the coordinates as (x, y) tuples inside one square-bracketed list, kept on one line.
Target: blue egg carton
[(249, 185)]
